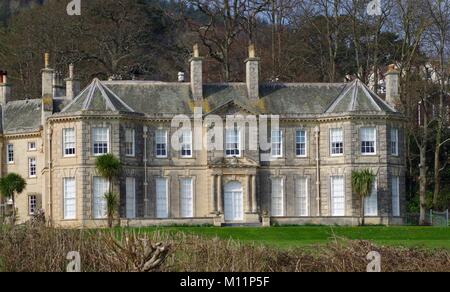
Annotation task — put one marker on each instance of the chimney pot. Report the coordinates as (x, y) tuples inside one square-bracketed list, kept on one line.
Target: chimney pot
[(180, 76), (47, 60)]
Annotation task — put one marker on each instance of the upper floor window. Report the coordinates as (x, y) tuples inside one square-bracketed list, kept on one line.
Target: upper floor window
[(186, 144), (232, 143), (10, 153), (337, 141), (368, 141), (69, 142), (129, 142), (300, 143), (394, 142), (32, 146), (32, 171), (100, 141), (277, 143), (161, 143)]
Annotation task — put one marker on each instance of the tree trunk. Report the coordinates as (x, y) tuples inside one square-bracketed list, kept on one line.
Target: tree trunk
[(363, 217), (423, 184), (13, 219)]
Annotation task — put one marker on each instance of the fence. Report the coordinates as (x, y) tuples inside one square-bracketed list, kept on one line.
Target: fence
[(432, 218)]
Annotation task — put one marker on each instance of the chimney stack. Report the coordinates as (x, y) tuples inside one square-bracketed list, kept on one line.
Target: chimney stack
[(197, 75), (72, 84), (252, 73), (393, 87), (5, 88), (48, 76)]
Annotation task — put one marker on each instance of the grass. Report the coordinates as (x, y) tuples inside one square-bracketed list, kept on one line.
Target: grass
[(290, 237)]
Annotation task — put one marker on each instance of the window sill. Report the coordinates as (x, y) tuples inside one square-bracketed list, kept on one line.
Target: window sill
[(369, 154), (69, 156)]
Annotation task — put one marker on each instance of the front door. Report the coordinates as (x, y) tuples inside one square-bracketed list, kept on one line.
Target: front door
[(233, 197)]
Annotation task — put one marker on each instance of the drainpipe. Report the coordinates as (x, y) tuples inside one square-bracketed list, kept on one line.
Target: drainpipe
[(318, 195), (145, 173), (50, 166)]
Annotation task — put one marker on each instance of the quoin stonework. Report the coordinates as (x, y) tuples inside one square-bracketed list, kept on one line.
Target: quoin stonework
[(302, 175)]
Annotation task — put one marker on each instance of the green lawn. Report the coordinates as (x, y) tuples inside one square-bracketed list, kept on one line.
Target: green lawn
[(286, 237)]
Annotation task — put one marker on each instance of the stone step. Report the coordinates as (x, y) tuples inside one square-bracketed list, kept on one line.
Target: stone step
[(241, 225)]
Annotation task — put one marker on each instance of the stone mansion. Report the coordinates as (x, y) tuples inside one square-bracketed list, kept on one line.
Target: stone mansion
[(326, 131)]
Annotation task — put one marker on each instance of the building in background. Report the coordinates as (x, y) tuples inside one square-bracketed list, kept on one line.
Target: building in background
[(326, 131)]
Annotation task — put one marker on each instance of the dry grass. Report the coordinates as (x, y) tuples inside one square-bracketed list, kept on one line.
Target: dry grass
[(29, 248)]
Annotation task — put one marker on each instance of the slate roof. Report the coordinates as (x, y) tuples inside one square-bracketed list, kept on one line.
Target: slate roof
[(97, 97), (22, 116), (160, 98)]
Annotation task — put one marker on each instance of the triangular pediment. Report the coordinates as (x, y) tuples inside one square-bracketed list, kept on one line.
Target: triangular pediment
[(233, 107)]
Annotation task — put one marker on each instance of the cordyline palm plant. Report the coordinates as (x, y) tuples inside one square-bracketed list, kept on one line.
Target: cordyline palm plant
[(362, 183), (108, 166), (9, 186)]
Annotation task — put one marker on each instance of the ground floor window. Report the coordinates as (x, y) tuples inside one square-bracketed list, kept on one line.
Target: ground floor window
[(100, 188), (371, 202), (396, 196), (187, 198), (162, 200), (301, 197), (69, 198), (32, 204), (337, 196), (130, 197), (277, 197)]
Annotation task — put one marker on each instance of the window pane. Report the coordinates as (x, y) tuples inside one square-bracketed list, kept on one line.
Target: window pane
[(129, 142), (394, 142), (100, 137), (131, 197), (69, 142), (301, 197), (10, 153), (277, 143), (337, 196), (277, 197), (161, 143), (32, 167), (162, 207), (368, 140), (186, 143), (371, 202), (337, 141), (300, 143), (100, 188), (187, 199), (32, 205), (396, 196), (69, 198), (232, 146)]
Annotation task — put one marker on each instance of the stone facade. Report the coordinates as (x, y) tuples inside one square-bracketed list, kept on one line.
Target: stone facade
[(144, 108)]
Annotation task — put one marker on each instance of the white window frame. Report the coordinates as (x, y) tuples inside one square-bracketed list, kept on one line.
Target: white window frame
[(394, 142), (10, 153), (363, 140), (160, 140), (297, 143), (130, 204), (130, 142), (332, 141), (302, 195), (279, 144), (100, 186), (32, 204), (32, 167), (32, 148), (186, 143), (94, 141), (341, 211), (69, 199), (277, 195), (187, 211), (69, 145), (233, 147), (395, 188), (164, 213), (371, 202)]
